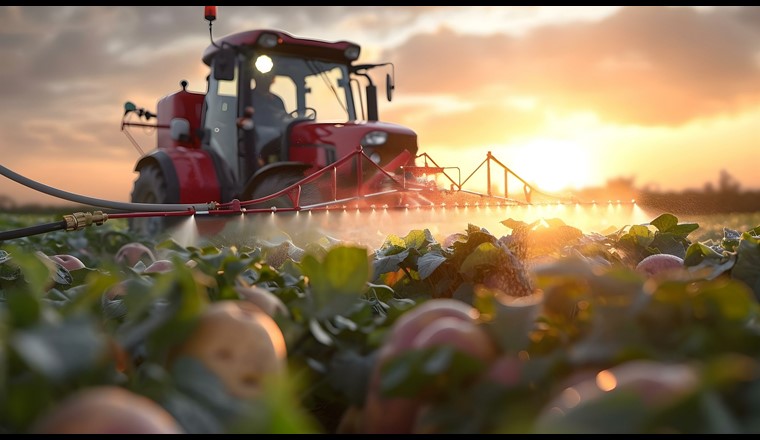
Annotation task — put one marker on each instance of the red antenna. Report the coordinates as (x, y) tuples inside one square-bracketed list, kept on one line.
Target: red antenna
[(210, 13)]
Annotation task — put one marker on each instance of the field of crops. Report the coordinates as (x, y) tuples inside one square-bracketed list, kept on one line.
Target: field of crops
[(652, 328)]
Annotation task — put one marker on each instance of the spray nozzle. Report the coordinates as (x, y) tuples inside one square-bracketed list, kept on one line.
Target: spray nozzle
[(80, 220)]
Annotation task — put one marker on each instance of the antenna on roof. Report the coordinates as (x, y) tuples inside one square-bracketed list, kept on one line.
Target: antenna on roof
[(209, 13)]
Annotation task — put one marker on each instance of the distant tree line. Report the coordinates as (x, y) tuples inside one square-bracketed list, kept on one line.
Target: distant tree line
[(725, 197)]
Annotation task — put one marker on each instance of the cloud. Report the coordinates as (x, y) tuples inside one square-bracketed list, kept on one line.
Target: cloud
[(641, 65)]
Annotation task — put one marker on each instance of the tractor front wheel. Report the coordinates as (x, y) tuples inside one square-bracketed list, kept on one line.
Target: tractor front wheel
[(150, 187), (273, 183)]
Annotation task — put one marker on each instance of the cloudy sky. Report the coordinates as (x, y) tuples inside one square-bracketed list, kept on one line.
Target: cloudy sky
[(565, 96)]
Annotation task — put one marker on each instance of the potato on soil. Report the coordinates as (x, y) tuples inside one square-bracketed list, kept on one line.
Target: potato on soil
[(659, 265), (398, 414), (130, 253), (239, 343), (266, 300), (653, 385), (159, 266), (70, 262), (107, 409)]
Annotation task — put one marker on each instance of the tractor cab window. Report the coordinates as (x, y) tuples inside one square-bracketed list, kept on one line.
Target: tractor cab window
[(309, 88), (326, 96), (273, 98)]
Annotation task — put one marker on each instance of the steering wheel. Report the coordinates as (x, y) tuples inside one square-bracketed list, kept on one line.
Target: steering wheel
[(308, 112)]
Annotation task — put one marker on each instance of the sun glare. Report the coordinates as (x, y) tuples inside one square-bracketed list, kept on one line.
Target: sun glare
[(552, 164)]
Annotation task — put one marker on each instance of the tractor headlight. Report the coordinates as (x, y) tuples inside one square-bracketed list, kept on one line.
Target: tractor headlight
[(268, 40), (374, 138), (352, 53)]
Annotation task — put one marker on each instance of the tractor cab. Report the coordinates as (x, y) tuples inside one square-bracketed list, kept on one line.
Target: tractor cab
[(257, 97)]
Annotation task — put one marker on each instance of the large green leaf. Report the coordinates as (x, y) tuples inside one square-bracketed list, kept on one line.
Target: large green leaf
[(664, 222), (747, 267), (61, 351), (428, 263), (388, 263), (338, 281), (486, 254)]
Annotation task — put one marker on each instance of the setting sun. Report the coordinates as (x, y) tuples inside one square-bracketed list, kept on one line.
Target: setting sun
[(552, 164)]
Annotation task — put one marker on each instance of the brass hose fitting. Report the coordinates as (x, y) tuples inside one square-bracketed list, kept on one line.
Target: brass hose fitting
[(80, 220)]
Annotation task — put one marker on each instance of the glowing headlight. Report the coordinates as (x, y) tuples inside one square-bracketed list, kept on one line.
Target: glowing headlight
[(375, 157), (264, 64), (374, 138), (268, 40)]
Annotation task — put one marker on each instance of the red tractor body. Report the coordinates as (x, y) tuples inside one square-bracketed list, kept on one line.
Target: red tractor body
[(223, 144)]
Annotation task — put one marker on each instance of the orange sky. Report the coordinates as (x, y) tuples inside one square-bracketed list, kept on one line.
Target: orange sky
[(565, 96)]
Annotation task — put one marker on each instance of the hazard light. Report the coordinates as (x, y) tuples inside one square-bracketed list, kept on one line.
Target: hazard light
[(209, 12)]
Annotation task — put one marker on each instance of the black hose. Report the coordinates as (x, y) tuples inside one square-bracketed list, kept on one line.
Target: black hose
[(32, 230), (121, 206)]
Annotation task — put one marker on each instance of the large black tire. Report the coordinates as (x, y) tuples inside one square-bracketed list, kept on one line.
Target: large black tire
[(150, 187), (310, 193)]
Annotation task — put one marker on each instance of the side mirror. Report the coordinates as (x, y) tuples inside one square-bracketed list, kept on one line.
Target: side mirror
[(179, 129), (224, 65), (389, 86)]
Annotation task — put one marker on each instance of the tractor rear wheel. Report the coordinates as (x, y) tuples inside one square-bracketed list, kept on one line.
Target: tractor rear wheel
[(150, 187), (310, 193)]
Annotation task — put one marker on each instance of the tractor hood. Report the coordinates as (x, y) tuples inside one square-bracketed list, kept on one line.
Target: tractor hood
[(325, 143)]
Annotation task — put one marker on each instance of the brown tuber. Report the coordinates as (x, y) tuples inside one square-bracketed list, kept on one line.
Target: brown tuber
[(434, 322), (239, 343), (659, 265), (107, 409)]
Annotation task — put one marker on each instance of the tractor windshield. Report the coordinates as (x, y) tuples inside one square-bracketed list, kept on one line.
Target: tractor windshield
[(307, 87)]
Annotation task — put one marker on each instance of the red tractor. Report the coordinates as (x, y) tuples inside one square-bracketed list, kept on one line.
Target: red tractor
[(239, 142)]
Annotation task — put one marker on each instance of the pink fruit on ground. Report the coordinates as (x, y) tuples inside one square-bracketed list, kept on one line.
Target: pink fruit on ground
[(131, 253), (239, 343), (266, 300), (69, 262), (660, 264), (506, 370), (107, 409), (462, 335), (650, 386), (396, 415), (159, 266)]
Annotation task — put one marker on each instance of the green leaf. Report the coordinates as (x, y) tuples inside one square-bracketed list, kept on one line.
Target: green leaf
[(319, 333), (747, 267), (428, 263), (337, 282), (389, 263), (418, 239), (61, 351), (191, 414), (514, 321), (441, 369), (664, 222), (486, 254), (195, 380), (349, 373), (641, 235), (684, 229), (668, 244)]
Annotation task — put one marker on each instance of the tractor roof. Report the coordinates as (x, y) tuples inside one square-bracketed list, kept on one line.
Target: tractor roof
[(286, 44)]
